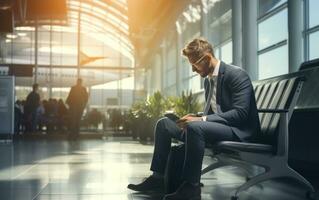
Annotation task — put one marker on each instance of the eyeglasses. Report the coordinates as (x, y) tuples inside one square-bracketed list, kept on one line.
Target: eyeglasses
[(200, 59), (194, 65)]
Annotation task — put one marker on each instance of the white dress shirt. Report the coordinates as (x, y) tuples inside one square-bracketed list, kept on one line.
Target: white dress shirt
[(214, 76)]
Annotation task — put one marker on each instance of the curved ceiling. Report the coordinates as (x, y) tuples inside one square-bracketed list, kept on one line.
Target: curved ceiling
[(104, 33), (105, 21)]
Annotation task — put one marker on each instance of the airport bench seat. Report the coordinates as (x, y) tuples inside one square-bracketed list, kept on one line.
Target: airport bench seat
[(275, 101)]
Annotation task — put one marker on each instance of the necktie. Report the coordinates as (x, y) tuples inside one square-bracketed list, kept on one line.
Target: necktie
[(209, 97), (213, 99)]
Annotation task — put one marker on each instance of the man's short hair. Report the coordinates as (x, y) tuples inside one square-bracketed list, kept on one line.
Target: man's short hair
[(35, 86), (197, 48)]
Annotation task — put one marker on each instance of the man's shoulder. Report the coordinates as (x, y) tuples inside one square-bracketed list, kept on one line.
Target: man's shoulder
[(230, 67), (234, 70), (32, 94)]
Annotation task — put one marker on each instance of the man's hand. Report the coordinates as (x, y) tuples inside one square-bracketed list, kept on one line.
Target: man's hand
[(182, 122)]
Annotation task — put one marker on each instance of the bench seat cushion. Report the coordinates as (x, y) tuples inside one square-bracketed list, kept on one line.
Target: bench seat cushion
[(244, 147)]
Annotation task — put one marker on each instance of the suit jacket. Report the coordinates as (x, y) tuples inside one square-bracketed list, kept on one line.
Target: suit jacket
[(77, 97), (236, 98), (32, 102)]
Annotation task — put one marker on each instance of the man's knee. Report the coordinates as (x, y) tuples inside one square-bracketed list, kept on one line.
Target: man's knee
[(162, 122), (166, 127), (193, 128)]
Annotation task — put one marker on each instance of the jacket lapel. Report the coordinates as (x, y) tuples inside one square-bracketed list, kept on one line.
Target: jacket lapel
[(220, 81), (206, 87)]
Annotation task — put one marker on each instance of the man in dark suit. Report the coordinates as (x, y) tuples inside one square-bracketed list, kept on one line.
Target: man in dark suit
[(77, 101), (230, 114)]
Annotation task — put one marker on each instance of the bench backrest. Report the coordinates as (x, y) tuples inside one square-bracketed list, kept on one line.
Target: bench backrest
[(273, 94)]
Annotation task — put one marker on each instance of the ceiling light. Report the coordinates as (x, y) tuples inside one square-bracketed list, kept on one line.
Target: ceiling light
[(25, 28), (11, 36), (22, 34)]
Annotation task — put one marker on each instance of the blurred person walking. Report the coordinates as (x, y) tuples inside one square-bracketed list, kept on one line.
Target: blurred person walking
[(77, 100), (31, 106)]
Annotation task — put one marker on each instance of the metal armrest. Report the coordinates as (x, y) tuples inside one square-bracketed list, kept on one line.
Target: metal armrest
[(282, 140), (273, 110)]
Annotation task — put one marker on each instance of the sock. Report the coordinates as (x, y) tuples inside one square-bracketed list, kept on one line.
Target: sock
[(157, 175)]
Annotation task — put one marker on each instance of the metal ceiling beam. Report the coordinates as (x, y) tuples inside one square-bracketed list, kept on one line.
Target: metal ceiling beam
[(103, 20), (121, 18)]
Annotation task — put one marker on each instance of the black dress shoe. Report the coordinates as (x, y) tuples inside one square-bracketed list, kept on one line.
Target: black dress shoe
[(186, 191), (149, 184)]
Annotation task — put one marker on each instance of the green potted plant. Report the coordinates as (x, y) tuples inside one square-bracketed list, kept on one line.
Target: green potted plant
[(185, 104)]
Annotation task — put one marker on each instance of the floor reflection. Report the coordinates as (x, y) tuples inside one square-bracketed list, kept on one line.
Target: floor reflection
[(101, 169)]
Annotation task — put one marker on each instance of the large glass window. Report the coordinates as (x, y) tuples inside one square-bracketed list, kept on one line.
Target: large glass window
[(272, 39), (273, 30), (220, 19), (169, 66), (313, 13), (312, 29), (227, 52), (273, 63), (314, 45), (195, 83), (266, 6), (104, 44), (220, 29)]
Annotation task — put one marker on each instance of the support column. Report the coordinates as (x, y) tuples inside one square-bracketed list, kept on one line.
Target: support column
[(250, 59), (50, 73), (164, 64), (295, 28), (237, 32), (179, 66), (3, 53), (35, 52), (79, 41)]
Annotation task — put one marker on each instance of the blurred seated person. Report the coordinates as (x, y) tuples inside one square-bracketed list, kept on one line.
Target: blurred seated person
[(18, 115), (62, 113)]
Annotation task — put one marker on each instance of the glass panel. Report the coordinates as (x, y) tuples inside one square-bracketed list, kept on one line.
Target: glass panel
[(220, 30), (273, 30), (273, 63), (185, 68), (313, 13), (195, 83), (171, 77), (227, 52), (313, 45), (217, 53), (268, 5), (216, 9)]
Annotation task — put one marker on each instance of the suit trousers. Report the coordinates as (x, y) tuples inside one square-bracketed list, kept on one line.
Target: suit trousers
[(195, 136)]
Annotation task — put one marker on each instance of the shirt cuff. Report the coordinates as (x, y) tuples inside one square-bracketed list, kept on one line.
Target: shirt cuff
[(204, 118)]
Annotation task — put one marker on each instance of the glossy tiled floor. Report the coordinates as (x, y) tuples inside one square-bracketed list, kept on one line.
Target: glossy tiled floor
[(97, 169)]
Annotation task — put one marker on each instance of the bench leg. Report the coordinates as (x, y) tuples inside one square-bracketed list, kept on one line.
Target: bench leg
[(295, 175), (271, 174), (213, 166), (254, 181)]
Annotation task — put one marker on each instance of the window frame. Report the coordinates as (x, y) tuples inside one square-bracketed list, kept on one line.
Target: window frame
[(277, 45), (307, 30)]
